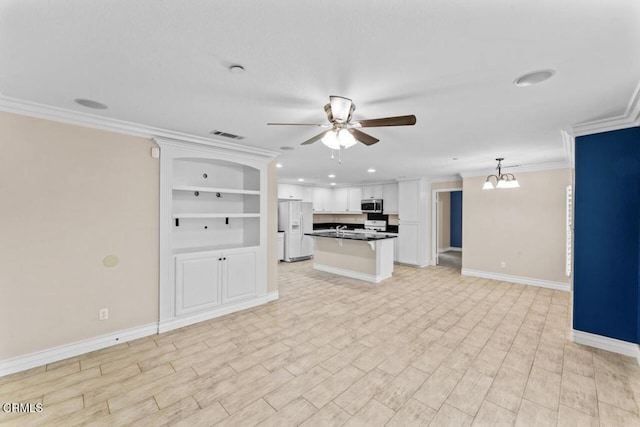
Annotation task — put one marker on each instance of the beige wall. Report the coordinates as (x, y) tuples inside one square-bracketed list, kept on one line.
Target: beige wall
[(70, 197), (272, 227), (444, 220), (524, 227), (446, 185)]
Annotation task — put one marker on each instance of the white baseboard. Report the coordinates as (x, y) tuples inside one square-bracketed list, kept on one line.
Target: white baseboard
[(39, 358), (169, 325), (517, 279), (605, 343), (349, 273)]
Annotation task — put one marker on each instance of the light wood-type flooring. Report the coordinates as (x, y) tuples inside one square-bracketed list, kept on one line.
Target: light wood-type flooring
[(427, 347)]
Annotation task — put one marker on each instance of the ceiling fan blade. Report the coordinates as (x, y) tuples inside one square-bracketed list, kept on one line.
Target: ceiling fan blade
[(388, 121), (297, 124), (315, 138), (366, 139)]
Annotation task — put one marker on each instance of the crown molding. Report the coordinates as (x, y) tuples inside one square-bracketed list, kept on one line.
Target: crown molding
[(48, 112), (568, 141), (451, 178), (630, 118), (520, 169)]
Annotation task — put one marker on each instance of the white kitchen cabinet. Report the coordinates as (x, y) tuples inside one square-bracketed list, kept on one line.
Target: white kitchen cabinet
[(290, 192), (408, 249), (307, 194), (355, 198), (390, 198), (374, 191), (341, 199), (322, 200), (280, 246)]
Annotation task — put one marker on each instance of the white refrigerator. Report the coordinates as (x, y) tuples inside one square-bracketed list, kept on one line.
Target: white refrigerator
[(296, 218)]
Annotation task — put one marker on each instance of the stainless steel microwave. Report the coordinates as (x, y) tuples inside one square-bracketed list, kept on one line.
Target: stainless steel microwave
[(371, 206)]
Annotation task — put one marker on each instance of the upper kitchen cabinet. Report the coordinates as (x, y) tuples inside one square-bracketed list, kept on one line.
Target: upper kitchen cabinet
[(372, 191), (322, 200), (347, 200), (390, 198), (212, 220), (291, 192)]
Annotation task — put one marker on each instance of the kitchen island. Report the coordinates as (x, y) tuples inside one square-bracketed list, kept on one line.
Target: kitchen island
[(356, 254)]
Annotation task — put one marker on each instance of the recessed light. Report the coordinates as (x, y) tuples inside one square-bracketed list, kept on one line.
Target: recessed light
[(533, 78), (286, 148), (90, 104), (300, 179), (455, 158), (371, 170), (332, 175), (236, 69), (333, 183), (278, 165)]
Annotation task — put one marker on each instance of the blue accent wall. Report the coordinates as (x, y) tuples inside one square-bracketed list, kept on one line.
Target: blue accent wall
[(607, 234), (456, 219)]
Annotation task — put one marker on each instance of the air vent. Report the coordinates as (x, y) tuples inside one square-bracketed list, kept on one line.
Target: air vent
[(226, 134)]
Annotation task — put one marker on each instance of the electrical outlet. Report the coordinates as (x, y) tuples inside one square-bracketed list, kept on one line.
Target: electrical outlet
[(103, 314), (503, 264)]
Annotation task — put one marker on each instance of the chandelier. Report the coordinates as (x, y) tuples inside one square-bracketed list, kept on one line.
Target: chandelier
[(506, 180)]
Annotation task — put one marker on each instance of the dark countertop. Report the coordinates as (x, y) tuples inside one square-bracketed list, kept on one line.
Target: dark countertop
[(333, 225), (367, 237)]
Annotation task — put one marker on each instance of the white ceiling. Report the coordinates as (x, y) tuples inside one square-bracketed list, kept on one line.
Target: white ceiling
[(450, 62)]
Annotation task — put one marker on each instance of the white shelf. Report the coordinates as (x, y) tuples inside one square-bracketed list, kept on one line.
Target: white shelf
[(215, 190), (216, 215), (211, 248)]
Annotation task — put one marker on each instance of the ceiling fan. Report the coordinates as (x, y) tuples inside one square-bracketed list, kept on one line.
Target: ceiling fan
[(344, 133)]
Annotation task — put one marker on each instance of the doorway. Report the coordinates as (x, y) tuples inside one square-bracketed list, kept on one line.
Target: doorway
[(447, 227)]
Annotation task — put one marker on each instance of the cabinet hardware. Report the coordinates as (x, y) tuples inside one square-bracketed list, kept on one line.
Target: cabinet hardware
[(177, 222), (204, 175), (196, 193), (226, 220)]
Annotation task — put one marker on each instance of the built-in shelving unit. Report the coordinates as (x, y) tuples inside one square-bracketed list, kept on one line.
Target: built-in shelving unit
[(213, 232)]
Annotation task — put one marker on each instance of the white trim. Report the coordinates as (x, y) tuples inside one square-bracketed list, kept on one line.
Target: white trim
[(182, 321), (33, 109), (630, 118), (50, 355), (452, 178), (349, 273), (559, 286), (434, 221), (568, 142), (613, 345)]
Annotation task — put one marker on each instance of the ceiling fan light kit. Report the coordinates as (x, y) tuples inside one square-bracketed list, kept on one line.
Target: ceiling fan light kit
[(344, 133), (506, 180)]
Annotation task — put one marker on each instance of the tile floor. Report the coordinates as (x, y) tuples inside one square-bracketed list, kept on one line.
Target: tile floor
[(427, 347)]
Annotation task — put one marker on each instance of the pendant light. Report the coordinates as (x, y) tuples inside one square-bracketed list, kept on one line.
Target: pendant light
[(506, 180)]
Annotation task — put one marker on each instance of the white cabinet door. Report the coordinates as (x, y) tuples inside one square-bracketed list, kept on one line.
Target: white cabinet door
[(341, 199), (408, 243), (197, 282), (290, 192), (408, 200), (307, 194), (239, 275), (355, 197), (390, 198), (322, 199), (372, 191)]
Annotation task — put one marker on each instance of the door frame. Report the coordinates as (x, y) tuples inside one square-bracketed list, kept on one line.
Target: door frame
[(434, 221)]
